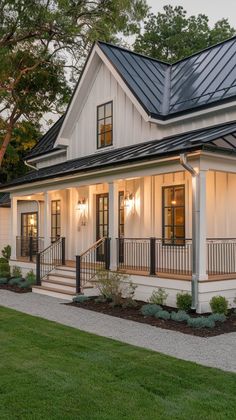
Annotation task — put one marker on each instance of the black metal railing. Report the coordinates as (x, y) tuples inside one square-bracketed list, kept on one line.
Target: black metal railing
[(27, 247), (50, 258), (97, 257), (156, 255), (221, 256)]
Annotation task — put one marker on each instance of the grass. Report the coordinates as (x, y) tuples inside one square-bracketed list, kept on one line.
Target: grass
[(49, 371)]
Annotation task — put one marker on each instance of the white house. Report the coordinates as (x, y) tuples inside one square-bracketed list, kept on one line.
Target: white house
[(139, 176)]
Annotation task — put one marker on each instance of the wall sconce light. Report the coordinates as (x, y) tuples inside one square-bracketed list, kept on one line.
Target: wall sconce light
[(173, 202), (82, 207), (129, 201)]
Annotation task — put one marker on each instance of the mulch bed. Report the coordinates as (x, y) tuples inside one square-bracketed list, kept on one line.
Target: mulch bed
[(134, 314), (15, 289)]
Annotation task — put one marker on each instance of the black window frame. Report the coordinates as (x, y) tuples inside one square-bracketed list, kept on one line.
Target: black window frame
[(176, 241), (58, 226), (99, 146)]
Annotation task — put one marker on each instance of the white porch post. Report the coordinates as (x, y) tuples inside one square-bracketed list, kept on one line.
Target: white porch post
[(13, 227), (113, 223), (47, 220), (199, 266)]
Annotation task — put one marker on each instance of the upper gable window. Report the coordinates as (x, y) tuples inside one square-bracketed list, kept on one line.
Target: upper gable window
[(104, 125)]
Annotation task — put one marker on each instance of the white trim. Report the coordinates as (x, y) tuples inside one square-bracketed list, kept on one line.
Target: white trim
[(47, 155)]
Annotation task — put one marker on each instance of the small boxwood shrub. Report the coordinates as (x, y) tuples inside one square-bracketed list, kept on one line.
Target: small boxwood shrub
[(80, 298), (6, 252), (159, 296), (217, 317), (150, 309), (162, 315), (201, 322), (180, 316), (219, 305), (30, 278), (183, 301), (16, 272), (3, 280), (4, 269)]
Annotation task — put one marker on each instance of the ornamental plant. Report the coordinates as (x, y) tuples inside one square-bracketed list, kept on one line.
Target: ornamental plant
[(183, 301), (219, 304), (159, 296)]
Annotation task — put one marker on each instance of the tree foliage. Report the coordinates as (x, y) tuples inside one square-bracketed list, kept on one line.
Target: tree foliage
[(40, 40), (171, 35)]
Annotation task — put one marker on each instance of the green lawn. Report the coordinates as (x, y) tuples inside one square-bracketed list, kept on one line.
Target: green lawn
[(48, 371)]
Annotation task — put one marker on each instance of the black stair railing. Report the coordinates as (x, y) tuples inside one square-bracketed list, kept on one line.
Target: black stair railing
[(97, 257), (50, 258)]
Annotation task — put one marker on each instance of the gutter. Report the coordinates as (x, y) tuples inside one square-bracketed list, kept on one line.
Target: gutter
[(30, 165), (195, 240)]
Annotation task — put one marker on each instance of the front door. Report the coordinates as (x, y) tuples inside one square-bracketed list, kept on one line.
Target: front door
[(102, 221), (29, 228)]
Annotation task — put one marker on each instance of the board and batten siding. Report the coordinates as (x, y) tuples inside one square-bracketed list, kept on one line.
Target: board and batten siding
[(5, 227)]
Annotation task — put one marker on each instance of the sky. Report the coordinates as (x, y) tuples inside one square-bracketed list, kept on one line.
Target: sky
[(214, 9)]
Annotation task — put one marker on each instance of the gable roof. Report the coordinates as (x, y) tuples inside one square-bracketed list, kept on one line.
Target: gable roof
[(204, 79), (47, 141), (221, 138)]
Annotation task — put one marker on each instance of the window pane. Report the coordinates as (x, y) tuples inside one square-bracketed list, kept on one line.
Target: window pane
[(100, 217), (168, 196), (168, 216), (108, 110), (179, 216), (179, 196), (179, 232), (168, 232), (108, 138), (101, 112)]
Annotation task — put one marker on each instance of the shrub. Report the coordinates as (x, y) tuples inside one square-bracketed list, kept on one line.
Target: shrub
[(162, 315), (24, 284), (3, 280), (4, 269), (80, 298), (180, 316), (159, 296), (6, 252), (15, 281), (150, 309), (217, 317), (16, 271), (129, 295), (30, 278), (183, 301), (219, 305), (201, 322), (111, 285), (2, 260)]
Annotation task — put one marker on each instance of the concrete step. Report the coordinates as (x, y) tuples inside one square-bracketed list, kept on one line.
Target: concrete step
[(60, 278), (59, 285), (43, 290)]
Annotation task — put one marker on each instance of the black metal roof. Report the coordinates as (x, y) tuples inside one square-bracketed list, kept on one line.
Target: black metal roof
[(46, 143), (5, 200), (166, 90), (221, 138)]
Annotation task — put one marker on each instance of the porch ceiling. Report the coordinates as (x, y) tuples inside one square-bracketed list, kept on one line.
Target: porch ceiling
[(221, 138)]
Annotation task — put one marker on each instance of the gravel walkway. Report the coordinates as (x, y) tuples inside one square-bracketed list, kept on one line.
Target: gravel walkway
[(219, 352)]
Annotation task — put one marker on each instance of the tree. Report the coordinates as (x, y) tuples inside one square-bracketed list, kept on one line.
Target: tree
[(171, 36), (40, 40), (24, 136)]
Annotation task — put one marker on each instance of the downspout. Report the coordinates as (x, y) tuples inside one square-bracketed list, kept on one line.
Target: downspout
[(195, 246)]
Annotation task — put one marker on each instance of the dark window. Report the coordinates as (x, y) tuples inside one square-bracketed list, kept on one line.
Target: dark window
[(173, 211), (29, 224), (55, 220), (104, 125)]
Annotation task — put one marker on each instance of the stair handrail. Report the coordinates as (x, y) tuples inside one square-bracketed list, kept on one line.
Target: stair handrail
[(91, 255), (50, 258)]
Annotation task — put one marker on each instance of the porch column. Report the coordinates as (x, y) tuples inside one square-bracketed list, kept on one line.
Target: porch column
[(199, 263), (13, 227), (113, 223), (47, 220)]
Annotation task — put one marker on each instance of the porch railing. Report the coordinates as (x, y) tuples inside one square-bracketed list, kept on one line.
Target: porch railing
[(28, 246), (221, 256), (156, 255), (50, 258), (97, 257)]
